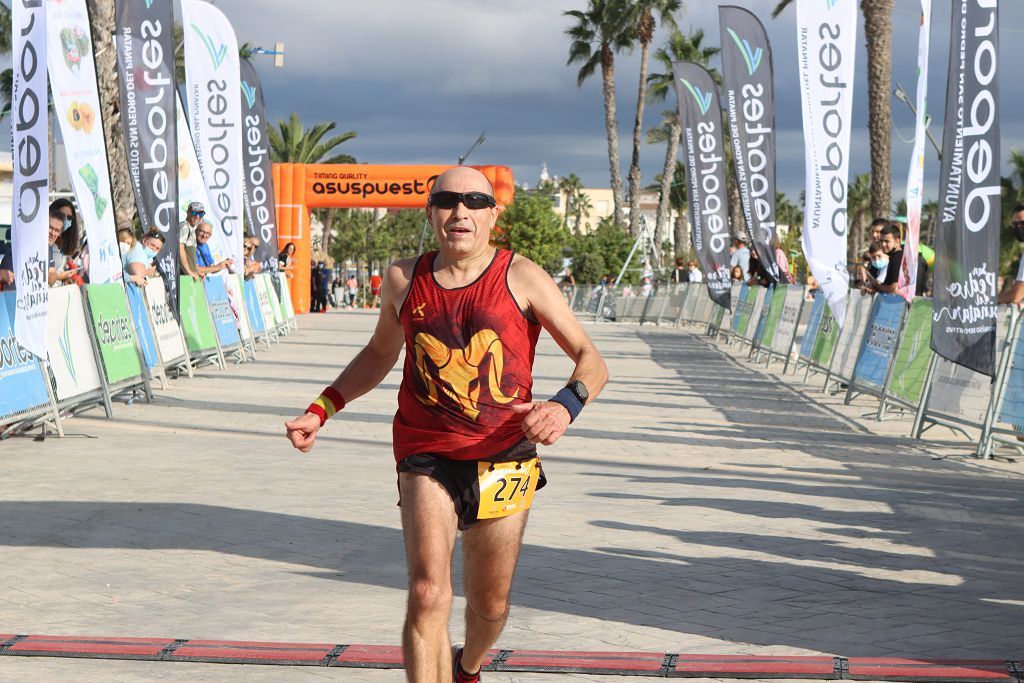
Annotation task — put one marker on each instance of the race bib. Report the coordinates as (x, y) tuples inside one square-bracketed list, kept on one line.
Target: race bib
[(506, 487)]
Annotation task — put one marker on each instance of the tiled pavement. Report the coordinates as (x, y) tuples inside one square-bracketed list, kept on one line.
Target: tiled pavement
[(700, 505)]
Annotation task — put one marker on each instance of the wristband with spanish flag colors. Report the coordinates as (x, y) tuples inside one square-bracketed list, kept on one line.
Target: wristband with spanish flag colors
[(326, 405)]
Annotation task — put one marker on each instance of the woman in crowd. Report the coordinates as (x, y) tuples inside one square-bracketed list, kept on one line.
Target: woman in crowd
[(70, 242), (286, 260), (696, 276), (57, 272), (252, 266), (138, 260), (736, 274)]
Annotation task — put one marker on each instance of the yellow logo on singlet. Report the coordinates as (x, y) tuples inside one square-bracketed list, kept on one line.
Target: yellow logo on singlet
[(460, 371)]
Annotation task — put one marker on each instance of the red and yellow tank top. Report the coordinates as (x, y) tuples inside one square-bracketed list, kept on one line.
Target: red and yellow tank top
[(468, 358)]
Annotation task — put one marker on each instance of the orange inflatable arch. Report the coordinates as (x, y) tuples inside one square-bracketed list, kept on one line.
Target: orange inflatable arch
[(301, 187)]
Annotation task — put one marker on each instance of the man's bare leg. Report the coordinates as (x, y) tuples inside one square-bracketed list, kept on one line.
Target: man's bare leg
[(429, 526), (491, 550)]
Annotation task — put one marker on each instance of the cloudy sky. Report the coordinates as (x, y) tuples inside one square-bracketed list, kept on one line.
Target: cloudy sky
[(420, 80)]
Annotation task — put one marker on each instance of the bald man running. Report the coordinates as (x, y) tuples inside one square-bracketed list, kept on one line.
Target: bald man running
[(467, 428)]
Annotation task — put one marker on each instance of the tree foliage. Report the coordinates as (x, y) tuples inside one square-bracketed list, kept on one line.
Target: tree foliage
[(533, 228)]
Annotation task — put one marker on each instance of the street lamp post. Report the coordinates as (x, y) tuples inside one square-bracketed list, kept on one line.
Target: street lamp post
[(901, 95)]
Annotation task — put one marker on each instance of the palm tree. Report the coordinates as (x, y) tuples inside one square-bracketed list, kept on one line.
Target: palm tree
[(878, 32), (291, 142), (645, 24), (572, 186), (101, 21), (858, 204), (600, 31), (678, 202), (678, 48)]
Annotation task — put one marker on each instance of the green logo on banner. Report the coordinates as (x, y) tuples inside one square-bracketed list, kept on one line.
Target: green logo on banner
[(751, 57), (115, 333), (250, 94), (217, 52), (703, 98)]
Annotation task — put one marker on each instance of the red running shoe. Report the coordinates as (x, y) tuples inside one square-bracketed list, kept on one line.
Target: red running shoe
[(460, 674)]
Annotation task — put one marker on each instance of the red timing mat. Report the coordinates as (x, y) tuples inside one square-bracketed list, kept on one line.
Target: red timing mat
[(651, 664)]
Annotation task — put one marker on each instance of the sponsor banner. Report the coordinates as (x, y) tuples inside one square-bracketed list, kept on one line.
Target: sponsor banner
[(879, 342), (275, 301), (21, 382), (750, 100), (825, 340), (286, 300), (191, 187), (252, 304), (148, 92), (224, 321), (115, 331), (957, 390), (848, 346), (771, 324), (236, 292), (30, 217), (913, 355), (782, 343), (266, 294), (1011, 411), (143, 331), (763, 315), (967, 228), (813, 327), (708, 204), (213, 104), (259, 179), (742, 307), (76, 105), (195, 317), (907, 283), (165, 326), (68, 347), (760, 293), (826, 43)]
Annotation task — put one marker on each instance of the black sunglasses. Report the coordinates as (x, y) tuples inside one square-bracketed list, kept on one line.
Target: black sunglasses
[(1018, 224), (472, 200)]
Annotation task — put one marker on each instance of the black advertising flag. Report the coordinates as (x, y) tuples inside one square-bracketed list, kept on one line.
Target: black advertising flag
[(145, 63), (967, 227), (750, 103), (259, 181), (701, 119)]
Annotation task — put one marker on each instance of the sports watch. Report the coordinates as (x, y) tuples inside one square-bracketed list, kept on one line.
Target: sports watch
[(579, 390)]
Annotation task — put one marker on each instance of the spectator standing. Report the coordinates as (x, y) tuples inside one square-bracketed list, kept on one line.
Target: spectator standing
[(889, 241), (286, 260), (205, 263), (682, 272), (375, 284), (351, 289), (694, 274), (138, 261), (1014, 294), (741, 257), (188, 239), (57, 273)]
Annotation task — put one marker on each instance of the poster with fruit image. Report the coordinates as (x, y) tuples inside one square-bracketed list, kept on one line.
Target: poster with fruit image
[(72, 71)]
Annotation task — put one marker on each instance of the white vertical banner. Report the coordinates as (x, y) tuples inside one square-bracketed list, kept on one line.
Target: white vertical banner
[(826, 40), (907, 284), (190, 180), (76, 104), (30, 222), (213, 97)]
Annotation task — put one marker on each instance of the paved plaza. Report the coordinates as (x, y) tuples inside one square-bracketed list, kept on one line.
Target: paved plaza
[(701, 505)]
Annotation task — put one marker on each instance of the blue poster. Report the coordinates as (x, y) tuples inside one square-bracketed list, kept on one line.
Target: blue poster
[(763, 320), (223, 315), (742, 308), (879, 346), (142, 328), (1012, 410), (21, 382), (813, 323), (252, 304)]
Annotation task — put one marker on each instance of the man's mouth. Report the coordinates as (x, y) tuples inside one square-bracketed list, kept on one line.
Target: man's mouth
[(458, 229)]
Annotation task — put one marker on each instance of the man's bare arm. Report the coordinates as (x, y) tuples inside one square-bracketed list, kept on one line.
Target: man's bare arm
[(1013, 295), (532, 287)]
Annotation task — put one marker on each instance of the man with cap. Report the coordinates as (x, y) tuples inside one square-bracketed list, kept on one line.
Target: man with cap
[(187, 239)]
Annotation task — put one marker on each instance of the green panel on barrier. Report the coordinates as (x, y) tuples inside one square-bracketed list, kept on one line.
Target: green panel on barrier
[(115, 331), (774, 313), (195, 317), (748, 305), (828, 334), (275, 300), (910, 369)]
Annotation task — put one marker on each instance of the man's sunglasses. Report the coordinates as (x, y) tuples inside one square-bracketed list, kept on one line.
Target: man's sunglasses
[(197, 213), (472, 200), (1018, 224)]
